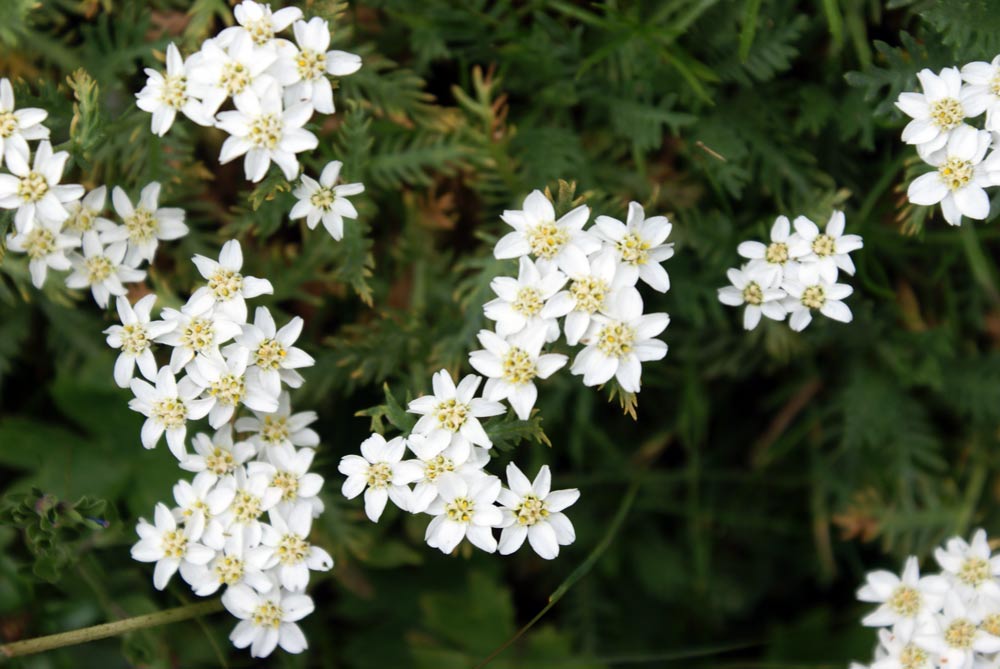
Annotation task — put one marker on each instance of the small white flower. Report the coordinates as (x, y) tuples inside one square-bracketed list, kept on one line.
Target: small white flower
[(168, 545), (303, 70), (195, 333), (228, 385), (821, 254), (898, 652), (259, 23), (512, 367), (232, 566), (465, 508), (960, 179), (533, 511), (144, 224), (376, 472), (292, 477), (168, 407), (227, 289), (217, 454), (589, 291), (955, 635), (323, 201), (970, 565), (293, 556), (903, 600), (45, 246), (203, 498), (263, 131), (639, 245), (826, 297), (530, 300), (217, 73), (267, 620), (454, 411), (772, 261), (436, 458), (271, 352), (18, 126), (750, 289), (281, 427), (982, 91), (619, 341), (134, 337), (101, 269), (536, 232), (936, 112), (240, 523), (34, 190), (85, 215), (165, 95)]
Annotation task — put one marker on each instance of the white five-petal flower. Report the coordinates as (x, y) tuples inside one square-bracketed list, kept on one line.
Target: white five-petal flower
[(34, 189), (134, 338), (749, 288), (533, 511), (531, 300), (324, 201), (537, 232), (168, 545), (227, 290), (376, 472), (144, 224), (166, 94), (465, 508), (168, 407), (46, 246), (267, 620), (640, 246), (101, 269)]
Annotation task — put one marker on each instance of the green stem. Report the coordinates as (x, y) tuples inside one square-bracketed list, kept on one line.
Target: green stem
[(52, 641)]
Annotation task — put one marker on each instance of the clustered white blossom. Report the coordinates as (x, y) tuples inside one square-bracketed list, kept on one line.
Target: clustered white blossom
[(964, 157), (570, 281), (59, 228), (243, 521), (795, 274), (948, 620)]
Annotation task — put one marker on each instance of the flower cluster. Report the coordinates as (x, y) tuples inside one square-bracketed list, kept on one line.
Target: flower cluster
[(949, 620), (255, 464), (275, 86), (571, 281), (795, 274), (60, 228), (963, 156)]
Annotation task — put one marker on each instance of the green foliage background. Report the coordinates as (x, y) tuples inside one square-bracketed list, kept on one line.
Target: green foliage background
[(770, 469)]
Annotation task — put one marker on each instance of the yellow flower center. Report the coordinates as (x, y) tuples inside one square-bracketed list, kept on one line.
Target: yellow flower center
[(274, 430), (379, 475), (141, 225), (995, 84), (547, 240), (311, 64), (246, 507), (322, 198), (615, 340), (235, 78), (528, 302), (956, 173), (229, 570), (228, 390), (437, 466), (99, 268), (814, 297), (589, 293), (170, 412), (268, 614), (451, 414), (991, 624), (174, 544), (531, 510), (288, 483), (265, 131), (960, 633), (824, 245), (269, 354), (518, 366), (460, 510), (776, 253), (913, 657), (220, 461), (260, 30), (634, 249), (947, 113), (225, 283), (905, 601), (174, 92), (292, 549), (32, 187), (39, 242), (8, 124), (80, 218), (198, 335), (974, 571), (134, 338), (753, 294)]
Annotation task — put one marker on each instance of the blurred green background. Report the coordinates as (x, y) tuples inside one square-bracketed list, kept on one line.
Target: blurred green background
[(766, 471)]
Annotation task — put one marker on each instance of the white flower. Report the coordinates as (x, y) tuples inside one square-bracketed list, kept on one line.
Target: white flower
[(639, 245), (227, 289), (217, 454), (903, 600), (303, 70), (34, 190), (203, 498), (134, 337), (240, 523), (821, 254), (772, 260), (234, 565), (144, 224), (436, 458), (46, 247), (165, 95), (533, 511), (981, 91), (512, 366), (323, 201), (465, 508), (955, 635), (267, 620), (168, 407), (588, 292), (228, 385), (271, 352), (259, 23), (262, 130), (217, 73), (281, 427), (376, 472), (168, 545), (101, 269), (961, 176), (619, 341), (293, 556), (292, 477), (898, 652), (18, 126), (936, 112), (454, 411), (530, 300), (194, 333), (970, 565), (563, 242), (826, 297), (85, 215), (747, 289)]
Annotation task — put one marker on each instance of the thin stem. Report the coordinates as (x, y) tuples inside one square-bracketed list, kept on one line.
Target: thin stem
[(52, 641)]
